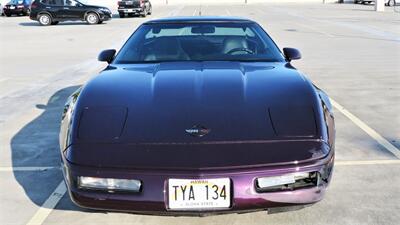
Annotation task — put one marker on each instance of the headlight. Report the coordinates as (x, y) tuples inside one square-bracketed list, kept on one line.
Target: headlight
[(290, 181), (106, 10), (109, 184)]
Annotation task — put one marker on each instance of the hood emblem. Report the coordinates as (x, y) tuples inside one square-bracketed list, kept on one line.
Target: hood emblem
[(198, 131)]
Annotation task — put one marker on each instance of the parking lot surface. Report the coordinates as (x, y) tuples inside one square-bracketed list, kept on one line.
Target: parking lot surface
[(350, 51)]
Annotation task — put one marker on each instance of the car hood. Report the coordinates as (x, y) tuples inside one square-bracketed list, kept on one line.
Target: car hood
[(96, 7), (143, 116), (163, 102)]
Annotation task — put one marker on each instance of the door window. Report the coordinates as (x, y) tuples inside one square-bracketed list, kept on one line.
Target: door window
[(71, 3), (52, 2)]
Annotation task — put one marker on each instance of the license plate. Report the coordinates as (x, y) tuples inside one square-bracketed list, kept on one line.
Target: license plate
[(187, 194), (12, 7)]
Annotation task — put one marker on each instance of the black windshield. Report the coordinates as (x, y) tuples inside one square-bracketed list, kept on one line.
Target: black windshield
[(199, 42)]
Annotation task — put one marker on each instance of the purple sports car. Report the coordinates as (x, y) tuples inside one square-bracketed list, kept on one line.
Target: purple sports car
[(197, 116)]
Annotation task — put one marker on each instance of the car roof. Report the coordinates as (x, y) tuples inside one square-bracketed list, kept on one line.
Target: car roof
[(200, 19)]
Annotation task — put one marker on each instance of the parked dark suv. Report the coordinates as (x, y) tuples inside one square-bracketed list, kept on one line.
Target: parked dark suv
[(134, 7), (17, 7), (50, 12)]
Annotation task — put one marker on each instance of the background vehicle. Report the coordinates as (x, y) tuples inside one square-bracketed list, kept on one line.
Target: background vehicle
[(50, 12), (1, 9), (390, 2), (134, 7), (17, 7), (387, 2)]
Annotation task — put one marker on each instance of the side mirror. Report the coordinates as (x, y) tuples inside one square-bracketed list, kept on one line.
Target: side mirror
[(291, 54), (107, 55)]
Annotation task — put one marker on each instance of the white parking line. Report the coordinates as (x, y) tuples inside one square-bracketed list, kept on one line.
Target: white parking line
[(316, 30), (366, 162), (228, 13), (51, 202), (176, 11), (26, 168), (3, 79), (371, 132)]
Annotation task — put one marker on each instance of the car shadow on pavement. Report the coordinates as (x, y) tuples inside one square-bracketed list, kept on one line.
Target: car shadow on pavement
[(30, 24), (36, 145), (36, 24)]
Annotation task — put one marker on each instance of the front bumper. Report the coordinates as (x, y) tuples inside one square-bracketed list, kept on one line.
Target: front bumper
[(153, 198), (105, 16)]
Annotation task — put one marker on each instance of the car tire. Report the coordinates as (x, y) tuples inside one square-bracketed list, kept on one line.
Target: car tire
[(92, 18), (392, 3), (45, 19), (121, 15), (54, 23), (7, 14), (100, 22), (150, 11)]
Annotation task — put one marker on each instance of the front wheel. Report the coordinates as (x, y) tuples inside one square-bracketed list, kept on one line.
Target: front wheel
[(92, 18), (121, 15), (54, 23), (391, 3), (7, 14), (45, 19)]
